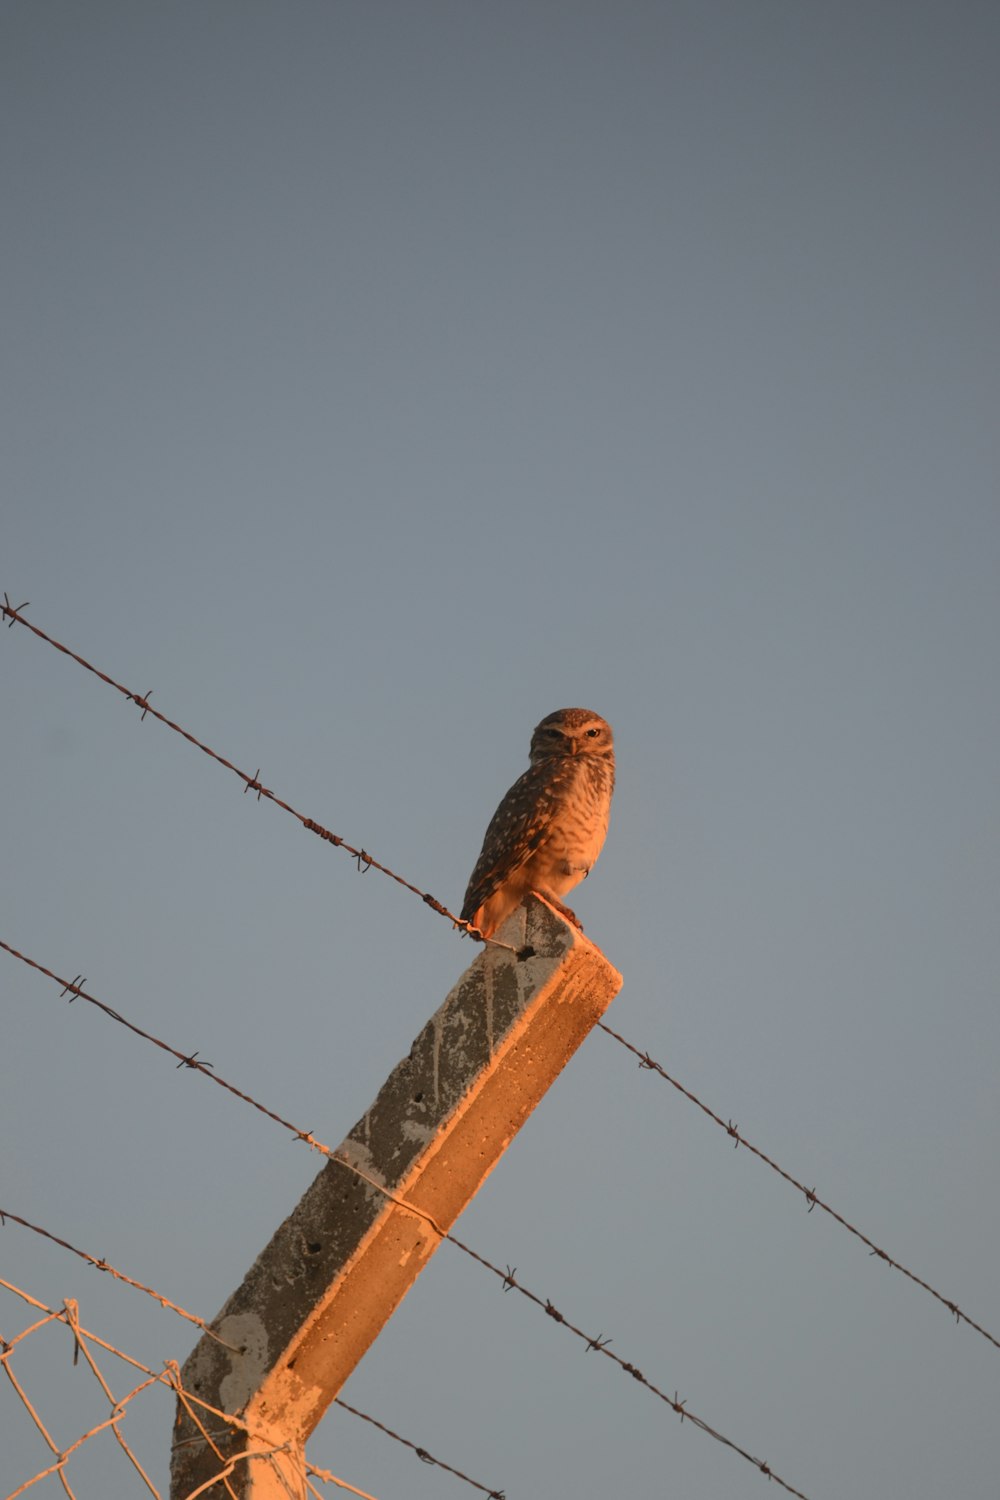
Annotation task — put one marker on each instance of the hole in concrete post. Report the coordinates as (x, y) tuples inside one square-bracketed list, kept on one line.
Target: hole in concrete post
[(314, 1247)]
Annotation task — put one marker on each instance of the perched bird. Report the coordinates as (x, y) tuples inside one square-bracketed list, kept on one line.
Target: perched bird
[(549, 829)]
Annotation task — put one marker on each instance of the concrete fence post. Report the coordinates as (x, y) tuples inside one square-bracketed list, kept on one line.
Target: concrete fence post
[(333, 1273)]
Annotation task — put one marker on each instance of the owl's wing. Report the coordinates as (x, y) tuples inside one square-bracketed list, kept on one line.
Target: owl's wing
[(519, 826)]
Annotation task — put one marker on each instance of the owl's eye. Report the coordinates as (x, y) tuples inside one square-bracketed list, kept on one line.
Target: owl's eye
[(592, 734)]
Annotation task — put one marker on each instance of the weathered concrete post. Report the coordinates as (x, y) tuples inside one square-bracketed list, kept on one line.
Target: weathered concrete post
[(335, 1270)]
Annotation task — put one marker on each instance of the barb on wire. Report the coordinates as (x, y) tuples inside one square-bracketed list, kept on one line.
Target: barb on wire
[(507, 1278), (810, 1194), (253, 783)]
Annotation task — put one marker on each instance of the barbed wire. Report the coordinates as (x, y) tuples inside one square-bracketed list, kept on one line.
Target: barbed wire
[(14, 616), (507, 1277), (810, 1194), (101, 1264), (365, 861), (599, 1344), (85, 1342), (74, 988)]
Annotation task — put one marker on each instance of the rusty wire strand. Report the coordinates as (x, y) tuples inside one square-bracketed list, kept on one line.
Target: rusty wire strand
[(810, 1194), (164, 1301), (365, 861), (598, 1343), (169, 1376)]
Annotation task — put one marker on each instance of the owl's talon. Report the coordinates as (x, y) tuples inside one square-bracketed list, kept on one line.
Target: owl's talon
[(564, 911)]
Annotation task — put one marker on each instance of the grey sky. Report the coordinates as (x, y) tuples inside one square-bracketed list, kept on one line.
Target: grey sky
[(377, 379)]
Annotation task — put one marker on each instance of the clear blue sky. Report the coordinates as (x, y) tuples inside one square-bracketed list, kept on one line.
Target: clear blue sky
[(377, 379)]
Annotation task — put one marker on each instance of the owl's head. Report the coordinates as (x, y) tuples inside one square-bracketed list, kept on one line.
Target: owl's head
[(572, 731)]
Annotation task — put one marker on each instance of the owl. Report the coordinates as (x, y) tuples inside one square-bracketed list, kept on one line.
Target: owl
[(549, 829)]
